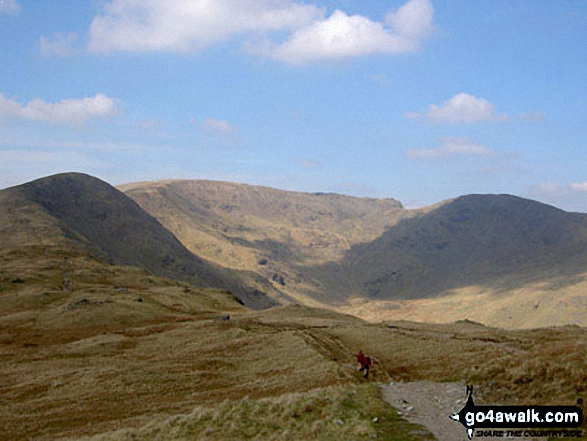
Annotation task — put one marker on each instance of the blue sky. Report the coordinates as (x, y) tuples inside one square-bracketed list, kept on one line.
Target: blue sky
[(419, 100)]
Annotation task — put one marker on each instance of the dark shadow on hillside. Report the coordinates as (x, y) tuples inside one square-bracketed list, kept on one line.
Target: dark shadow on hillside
[(498, 241), (104, 220)]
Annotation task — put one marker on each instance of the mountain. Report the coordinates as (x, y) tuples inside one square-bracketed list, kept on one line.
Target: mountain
[(498, 259), (472, 240), (272, 232), (87, 215)]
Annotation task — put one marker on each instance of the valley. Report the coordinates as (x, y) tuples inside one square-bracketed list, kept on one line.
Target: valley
[(163, 319)]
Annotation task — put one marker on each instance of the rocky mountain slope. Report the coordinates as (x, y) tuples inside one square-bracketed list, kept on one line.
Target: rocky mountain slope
[(85, 214), (271, 232), (497, 259), (472, 240), (339, 251)]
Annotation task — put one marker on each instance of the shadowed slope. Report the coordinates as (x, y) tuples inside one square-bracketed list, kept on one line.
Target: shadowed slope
[(105, 222), (327, 248), (495, 240)]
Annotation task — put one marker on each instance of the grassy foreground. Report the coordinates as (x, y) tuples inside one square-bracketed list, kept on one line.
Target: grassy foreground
[(91, 351), (352, 412)]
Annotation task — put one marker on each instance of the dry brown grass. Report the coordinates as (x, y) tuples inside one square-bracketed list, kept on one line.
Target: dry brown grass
[(87, 358), (333, 413), (535, 305)]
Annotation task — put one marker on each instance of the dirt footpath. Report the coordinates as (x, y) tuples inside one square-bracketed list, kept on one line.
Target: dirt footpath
[(430, 404)]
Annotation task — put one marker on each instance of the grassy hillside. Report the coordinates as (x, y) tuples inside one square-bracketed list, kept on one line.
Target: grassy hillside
[(138, 357), (498, 259), (90, 348), (268, 231), (83, 213)]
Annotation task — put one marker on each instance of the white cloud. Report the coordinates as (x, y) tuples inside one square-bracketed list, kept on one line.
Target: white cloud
[(451, 147), (341, 36), (218, 131), (71, 112), (187, 25), (307, 34), (60, 45), (461, 109), (413, 20), (9, 7)]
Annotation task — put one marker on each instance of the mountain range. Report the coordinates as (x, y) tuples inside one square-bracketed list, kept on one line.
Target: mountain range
[(498, 259)]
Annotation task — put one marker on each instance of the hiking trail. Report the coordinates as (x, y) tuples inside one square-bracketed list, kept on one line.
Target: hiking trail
[(430, 404)]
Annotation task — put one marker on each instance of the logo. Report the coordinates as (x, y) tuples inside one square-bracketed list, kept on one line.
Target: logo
[(524, 418)]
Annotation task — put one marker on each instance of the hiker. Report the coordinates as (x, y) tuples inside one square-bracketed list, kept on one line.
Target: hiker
[(366, 366), (360, 359)]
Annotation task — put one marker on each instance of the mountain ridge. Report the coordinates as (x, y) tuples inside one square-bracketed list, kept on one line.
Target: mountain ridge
[(99, 219), (365, 256), (478, 243)]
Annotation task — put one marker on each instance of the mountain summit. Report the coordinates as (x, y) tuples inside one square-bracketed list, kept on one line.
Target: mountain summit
[(97, 218)]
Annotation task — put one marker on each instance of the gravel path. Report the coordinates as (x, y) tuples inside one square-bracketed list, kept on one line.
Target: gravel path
[(430, 404)]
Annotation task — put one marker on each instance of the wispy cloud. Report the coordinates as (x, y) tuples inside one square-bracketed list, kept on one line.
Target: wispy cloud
[(59, 45), (150, 124), (554, 188), (217, 127), (381, 79), (308, 163), (533, 116), (306, 34), (218, 130), (579, 186), (460, 109), (71, 111), (450, 147), (9, 7)]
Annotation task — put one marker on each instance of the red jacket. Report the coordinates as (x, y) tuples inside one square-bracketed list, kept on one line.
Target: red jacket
[(367, 362), (361, 358)]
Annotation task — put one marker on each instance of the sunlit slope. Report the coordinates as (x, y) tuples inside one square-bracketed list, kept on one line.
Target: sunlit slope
[(78, 212), (494, 258), (269, 231)]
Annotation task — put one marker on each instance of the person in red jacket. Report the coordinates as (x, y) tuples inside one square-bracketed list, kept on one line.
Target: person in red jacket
[(360, 359), (366, 366)]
